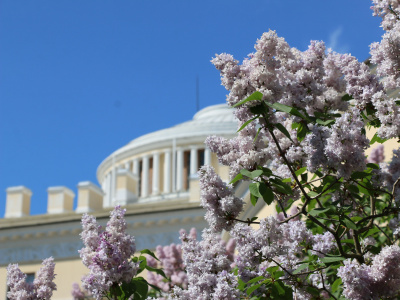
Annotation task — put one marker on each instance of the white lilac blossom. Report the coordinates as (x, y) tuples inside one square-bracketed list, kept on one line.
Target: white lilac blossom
[(107, 253), (207, 267), (42, 287), (218, 199)]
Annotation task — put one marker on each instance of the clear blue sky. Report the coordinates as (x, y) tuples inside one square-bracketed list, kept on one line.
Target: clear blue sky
[(79, 79)]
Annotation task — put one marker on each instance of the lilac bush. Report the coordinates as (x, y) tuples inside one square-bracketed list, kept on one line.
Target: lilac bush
[(172, 261), (303, 118), (107, 254), (42, 287), (302, 138)]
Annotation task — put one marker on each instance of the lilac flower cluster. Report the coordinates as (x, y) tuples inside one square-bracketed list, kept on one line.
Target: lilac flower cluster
[(379, 280), (377, 155), (76, 292), (341, 148), (386, 54), (171, 261), (218, 199), (41, 288), (208, 269), (107, 253), (273, 241)]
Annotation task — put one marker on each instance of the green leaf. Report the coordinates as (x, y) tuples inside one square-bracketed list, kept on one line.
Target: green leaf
[(347, 97), (371, 232), (253, 199), (331, 259), (254, 189), (253, 174), (256, 173), (141, 288), (376, 138), (237, 178), (279, 287), (312, 291), (255, 138), (373, 166), (253, 288), (353, 188), (245, 172), (247, 123), (317, 211), (349, 223), (295, 125), (302, 131), (287, 109), (300, 171), (283, 129), (281, 186), (272, 270), (312, 194), (147, 251), (348, 241), (254, 280), (252, 97), (336, 284), (259, 109), (360, 175), (266, 172), (325, 123), (266, 193), (155, 270), (300, 268)]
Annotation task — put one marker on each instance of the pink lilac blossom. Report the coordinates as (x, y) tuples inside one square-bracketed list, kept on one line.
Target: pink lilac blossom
[(313, 81), (379, 280), (107, 253), (390, 172), (171, 261), (41, 288), (207, 267), (388, 10), (323, 243), (76, 292), (386, 56), (340, 148), (218, 199), (270, 240), (377, 155)]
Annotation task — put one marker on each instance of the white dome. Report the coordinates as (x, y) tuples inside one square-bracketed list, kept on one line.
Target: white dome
[(212, 120)]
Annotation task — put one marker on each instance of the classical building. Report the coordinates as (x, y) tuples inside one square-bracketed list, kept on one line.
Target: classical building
[(154, 177)]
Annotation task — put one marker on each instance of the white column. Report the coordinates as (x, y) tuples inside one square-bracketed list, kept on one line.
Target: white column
[(127, 166), (135, 167), (167, 171), (145, 176), (207, 156), (179, 169), (156, 173), (193, 161), (113, 182), (107, 191)]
